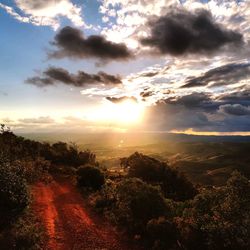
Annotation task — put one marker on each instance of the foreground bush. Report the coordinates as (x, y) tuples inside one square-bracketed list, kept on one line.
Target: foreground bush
[(35, 170), (61, 153), (90, 177), (162, 233), (219, 218), (216, 219), (18, 148), (26, 233), (173, 184), (137, 203), (14, 195)]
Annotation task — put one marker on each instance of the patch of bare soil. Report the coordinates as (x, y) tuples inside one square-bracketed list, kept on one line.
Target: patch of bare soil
[(68, 221)]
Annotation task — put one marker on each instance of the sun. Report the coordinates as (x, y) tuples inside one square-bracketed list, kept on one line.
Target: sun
[(127, 112)]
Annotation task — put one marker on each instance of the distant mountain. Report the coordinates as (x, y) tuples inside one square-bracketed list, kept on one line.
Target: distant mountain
[(130, 139)]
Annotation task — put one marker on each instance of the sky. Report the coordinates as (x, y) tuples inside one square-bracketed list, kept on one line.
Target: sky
[(124, 65)]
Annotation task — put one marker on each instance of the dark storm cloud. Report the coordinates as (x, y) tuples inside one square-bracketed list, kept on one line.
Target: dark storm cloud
[(226, 103), (235, 109), (60, 74), (192, 100), (40, 81), (196, 101), (224, 75), (121, 99), (237, 96), (165, 117), (201, 112), (72, 43), (55, 75), (182, 32)]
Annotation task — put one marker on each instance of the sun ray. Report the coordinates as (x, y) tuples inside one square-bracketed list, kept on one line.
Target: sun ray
[(126, 113)]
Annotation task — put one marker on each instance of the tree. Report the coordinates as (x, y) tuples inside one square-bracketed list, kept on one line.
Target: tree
[(221, 216), (137, 203), (14, 196), (162, 233), (173, 184), (90, 177)]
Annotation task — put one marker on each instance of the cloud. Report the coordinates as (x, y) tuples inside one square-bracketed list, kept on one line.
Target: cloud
[(165, 117), (210, 104), (72, 43), (191, 100), (40, 81), (121, 99), (54, 75), (39, 120), (229, 112), (147, 93), (224, 75), (238, 96), (130, 17), (182, 32), (235, 109), (149, 74), (195, 102), (46, 12)]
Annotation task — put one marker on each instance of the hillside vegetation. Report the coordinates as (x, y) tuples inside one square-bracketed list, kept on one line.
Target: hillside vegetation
[(147, 197)]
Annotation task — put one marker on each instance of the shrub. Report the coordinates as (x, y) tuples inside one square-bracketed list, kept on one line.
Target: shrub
[(61, 153), (90, 177), (144, 167), (173, 184), (105, 200), (162, 233), (137, 203), (221, 216), (176, 186), (35, 170), (28, 233), (14, 195)]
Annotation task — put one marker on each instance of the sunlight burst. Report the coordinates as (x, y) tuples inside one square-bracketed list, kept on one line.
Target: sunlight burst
[(125, 113)]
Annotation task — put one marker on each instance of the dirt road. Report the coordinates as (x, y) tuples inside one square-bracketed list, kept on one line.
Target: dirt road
[(68, 222)]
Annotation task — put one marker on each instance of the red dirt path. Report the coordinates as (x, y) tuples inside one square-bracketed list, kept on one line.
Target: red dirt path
[(68, 222)]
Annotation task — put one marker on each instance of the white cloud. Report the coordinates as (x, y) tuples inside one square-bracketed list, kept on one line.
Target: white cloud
[(46, 12), (131, 18), (38, 120), (132, 15)]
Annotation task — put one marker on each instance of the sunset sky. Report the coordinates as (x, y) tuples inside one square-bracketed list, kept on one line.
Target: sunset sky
[(125, 65)]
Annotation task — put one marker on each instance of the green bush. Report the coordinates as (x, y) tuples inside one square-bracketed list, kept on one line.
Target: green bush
[(144, 167), (14, 196), (90, 177), (104, 201), (219, 218), (162, 233), (28, 233), (137, 203), (61, 153), (35, 170), (173, 184)]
